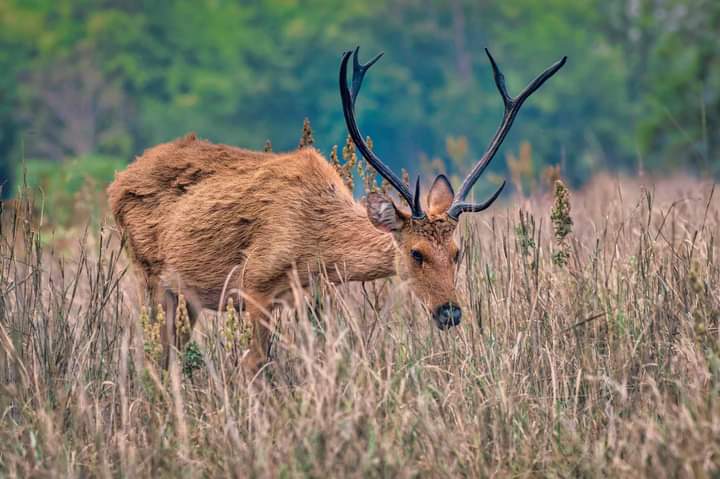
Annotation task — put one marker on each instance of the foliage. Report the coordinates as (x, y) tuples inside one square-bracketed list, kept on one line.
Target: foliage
[(62, 184), (112, 78), (151, 332), (671, 50), (562, 223), (307, 135), (192, 358), (521, 168)]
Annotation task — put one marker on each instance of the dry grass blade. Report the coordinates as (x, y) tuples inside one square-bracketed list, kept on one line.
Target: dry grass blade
[(607, 366)]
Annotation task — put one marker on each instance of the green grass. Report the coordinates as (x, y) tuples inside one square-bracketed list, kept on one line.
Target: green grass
[(606, 366)]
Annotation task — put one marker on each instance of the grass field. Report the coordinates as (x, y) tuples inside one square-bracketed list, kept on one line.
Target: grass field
[(607, 365)]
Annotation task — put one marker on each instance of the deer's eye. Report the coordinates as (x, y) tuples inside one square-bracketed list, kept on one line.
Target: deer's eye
[(456, 256), (417, 256)]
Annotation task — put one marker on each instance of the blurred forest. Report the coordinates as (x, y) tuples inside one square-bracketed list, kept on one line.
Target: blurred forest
[(88, 84)]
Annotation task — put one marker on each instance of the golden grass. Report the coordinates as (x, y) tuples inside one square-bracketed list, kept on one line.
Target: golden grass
[(606, 366)]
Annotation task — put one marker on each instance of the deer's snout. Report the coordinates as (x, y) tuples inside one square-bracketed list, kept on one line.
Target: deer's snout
[(447, 316)]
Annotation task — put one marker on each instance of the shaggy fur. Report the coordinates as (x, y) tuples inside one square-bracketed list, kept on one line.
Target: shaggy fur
[(193, 212)]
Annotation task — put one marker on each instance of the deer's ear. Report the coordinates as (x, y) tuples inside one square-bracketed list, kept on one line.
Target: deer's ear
[(440, 196), (383, 214)]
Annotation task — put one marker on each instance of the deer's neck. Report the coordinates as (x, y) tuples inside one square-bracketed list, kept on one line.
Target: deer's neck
[(358, 250)]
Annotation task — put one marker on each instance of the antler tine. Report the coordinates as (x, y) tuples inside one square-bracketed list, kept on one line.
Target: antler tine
[(416, 198), (499, 81), (359, 71), (512, 107), (458, 208), (348, 102)]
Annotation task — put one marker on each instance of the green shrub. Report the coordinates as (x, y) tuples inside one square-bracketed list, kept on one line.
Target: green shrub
[(59, 185)]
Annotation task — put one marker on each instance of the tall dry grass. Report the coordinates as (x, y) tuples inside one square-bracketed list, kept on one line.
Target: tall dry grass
[(606, 366)]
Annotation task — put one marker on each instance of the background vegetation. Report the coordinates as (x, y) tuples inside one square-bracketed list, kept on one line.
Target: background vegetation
[(109, 78)]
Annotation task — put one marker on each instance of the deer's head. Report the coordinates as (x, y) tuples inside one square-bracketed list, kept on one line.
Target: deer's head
[(426, 251)]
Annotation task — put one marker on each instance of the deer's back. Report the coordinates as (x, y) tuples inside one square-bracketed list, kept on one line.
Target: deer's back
[(195, 209)]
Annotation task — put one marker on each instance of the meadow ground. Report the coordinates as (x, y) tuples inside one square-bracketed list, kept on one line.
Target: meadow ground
[(592, 355)]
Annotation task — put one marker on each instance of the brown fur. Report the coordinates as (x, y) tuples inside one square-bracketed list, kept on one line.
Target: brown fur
[(194, 211)]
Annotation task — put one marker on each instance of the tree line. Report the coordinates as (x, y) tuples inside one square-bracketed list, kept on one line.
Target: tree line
[(111, 77)]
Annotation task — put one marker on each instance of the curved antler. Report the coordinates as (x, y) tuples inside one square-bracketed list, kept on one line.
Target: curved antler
[(512, 107), (348, 103)]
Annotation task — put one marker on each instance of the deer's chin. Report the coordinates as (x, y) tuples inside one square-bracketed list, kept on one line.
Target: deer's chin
[(443, 326), (446, 324)]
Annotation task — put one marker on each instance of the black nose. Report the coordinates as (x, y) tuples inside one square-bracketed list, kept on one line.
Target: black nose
[(448, 315)]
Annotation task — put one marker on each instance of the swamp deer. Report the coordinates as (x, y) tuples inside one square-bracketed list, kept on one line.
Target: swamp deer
[(194, 210)]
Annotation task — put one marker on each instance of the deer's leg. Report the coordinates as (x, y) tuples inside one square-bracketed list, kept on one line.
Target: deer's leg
[(150, 297), (257, 355), (167, 330), (174, 335)]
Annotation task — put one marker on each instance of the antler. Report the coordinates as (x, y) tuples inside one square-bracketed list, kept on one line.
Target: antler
[(512, 107), (348, 103)]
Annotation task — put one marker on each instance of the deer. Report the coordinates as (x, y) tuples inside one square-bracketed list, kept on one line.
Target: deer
[(210, 214)]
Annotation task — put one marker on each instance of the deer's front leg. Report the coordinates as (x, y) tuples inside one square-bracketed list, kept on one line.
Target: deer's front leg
[(172, 336), (167, 329), (258, 314)]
